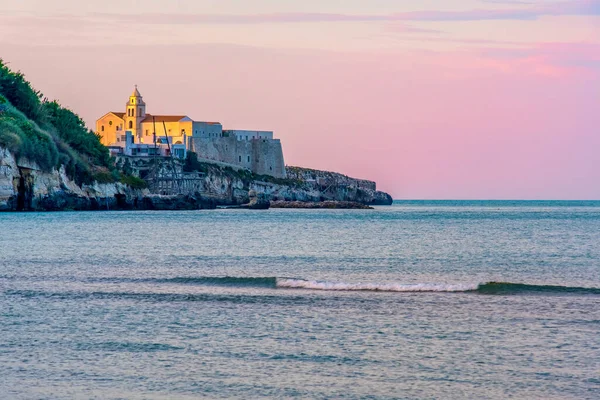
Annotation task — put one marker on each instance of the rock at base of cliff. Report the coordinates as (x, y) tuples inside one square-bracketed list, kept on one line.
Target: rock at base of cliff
[(382, 199), (258, 201)]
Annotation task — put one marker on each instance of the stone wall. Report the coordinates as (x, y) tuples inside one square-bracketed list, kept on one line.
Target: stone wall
[(261, 156)]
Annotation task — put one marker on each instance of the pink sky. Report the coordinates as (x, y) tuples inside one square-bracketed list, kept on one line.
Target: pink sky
[(431, 99)]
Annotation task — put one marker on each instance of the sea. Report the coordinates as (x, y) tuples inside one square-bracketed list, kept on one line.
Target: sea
[(418, 300)]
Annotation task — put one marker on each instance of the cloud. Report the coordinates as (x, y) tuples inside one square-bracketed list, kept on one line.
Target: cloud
[(573, 7), (561, 56)]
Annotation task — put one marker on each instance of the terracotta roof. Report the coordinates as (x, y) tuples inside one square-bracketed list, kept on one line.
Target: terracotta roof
[(118, 114), (163, 118)]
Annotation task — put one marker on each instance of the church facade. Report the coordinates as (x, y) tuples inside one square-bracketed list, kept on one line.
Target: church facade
[(138, 133)]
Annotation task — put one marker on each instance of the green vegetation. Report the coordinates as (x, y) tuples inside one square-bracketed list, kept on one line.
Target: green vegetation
[(192, 164), (42, 131), (134, 182)]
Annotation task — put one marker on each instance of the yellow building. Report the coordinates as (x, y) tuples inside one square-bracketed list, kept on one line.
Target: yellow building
[(141, 128), (137, 133)]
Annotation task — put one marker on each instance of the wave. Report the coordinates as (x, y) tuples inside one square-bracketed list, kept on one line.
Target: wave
[(286, 283), (268, 282), (500, 288), (488, 288)]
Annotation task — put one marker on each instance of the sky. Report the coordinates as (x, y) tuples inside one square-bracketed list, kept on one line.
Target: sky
[(432, 99)]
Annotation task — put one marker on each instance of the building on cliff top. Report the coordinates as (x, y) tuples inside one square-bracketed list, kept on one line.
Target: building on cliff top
[(137, 133)]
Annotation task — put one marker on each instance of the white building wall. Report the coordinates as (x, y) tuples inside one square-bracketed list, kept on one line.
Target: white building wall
[(242, 134), (207, 129)]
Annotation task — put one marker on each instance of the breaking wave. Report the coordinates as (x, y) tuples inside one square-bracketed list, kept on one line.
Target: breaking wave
[(373, 287), (488, 288)]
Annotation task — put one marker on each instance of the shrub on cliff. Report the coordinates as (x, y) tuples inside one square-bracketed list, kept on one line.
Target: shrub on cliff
[(26, 140), (134, 182), (8, 137), (192, 164), (44, 132), (20, 94), (71, 129)]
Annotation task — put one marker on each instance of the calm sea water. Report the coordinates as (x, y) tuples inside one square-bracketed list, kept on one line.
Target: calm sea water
[(389, 303)]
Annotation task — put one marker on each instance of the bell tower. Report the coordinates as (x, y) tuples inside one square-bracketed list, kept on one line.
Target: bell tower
[(135, 114)]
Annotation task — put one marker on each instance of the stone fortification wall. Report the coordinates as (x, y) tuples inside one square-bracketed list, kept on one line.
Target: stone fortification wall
[(261, 156)]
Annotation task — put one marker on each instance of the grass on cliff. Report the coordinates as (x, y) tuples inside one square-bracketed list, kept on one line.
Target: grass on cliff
[(42, 131)]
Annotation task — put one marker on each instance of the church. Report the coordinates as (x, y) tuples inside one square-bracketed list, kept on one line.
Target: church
[(140, 134)]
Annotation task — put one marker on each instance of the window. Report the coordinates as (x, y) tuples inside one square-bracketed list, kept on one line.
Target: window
[(102, 128), (147, 134), (109, 123), (118, 139), (270, 168), (130, 124), (182, 132), (240, 158), (248, 158), (246, 137)]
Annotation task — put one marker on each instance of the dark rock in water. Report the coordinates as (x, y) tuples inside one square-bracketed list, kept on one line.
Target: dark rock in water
[(258, 201), (382, 199), (331, 204)]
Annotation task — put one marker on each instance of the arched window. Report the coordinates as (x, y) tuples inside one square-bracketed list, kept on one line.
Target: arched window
[(130, 124)]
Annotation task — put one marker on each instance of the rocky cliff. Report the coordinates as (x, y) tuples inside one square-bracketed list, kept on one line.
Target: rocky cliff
[(229, 185), (25, 187)]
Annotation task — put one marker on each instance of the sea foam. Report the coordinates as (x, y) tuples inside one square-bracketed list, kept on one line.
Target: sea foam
[(374, 287)]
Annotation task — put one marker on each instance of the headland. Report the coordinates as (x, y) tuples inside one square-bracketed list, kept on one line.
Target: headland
[(49, 161)]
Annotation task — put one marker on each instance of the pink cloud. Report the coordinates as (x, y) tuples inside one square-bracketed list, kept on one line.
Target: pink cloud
[(551, 59), (573, 7)]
